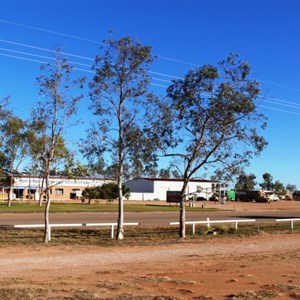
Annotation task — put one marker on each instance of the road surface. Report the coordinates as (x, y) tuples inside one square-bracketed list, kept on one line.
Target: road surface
[(230, 211)]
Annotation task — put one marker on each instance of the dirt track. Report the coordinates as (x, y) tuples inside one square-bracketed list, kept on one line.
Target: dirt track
[(266, 266)]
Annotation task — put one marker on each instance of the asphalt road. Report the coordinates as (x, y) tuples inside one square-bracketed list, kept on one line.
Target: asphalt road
[(144, 218)]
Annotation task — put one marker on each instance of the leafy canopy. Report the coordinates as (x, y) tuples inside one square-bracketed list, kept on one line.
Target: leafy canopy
[(213, 118)]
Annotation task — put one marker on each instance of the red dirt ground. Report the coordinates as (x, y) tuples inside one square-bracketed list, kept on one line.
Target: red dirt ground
[(266, 266)]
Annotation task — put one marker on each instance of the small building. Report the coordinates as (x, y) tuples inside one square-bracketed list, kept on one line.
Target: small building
[(156, 188), (30, 187)]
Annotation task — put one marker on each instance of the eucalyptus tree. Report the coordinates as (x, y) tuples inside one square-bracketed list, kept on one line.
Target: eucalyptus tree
[(14, 146), (59, 95), (267, 183), (164, 173), (279, 187), (245, 181), (291, 187), (215, 121), (123, 105)]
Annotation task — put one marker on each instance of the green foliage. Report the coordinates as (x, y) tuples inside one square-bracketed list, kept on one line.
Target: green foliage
[(106, 191), (211, 122), (52, 114), (49, 119), (124, 107), (279, 187), (214, 109), (5, 180), (164, 173), (123, 104), (267, 183), (291, 187), (76, 169), (91, 193), (14, 142), (245, 182)]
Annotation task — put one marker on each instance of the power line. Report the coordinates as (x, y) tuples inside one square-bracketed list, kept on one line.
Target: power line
[(82, 39), (91, 59), (278, 84), (23, 58), (275, 100), (49, 31), (281, 110), (41, 56), (75, 55), (45, 49), (96, 42), (267, 99), (74, 68), (281, 102)]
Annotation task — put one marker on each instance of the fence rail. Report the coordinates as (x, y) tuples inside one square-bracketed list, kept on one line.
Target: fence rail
[(111, 225), (209, 222), (289, 220)]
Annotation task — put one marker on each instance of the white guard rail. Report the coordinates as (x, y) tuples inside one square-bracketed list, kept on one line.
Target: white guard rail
[(112, 225), (208, 222), (289, 220)]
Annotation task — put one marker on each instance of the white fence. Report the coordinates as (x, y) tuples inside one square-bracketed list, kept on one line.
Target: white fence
[(111, 225), (208, 222), (289, 220)]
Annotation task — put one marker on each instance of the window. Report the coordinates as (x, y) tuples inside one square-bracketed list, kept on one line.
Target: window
[(59, 191)]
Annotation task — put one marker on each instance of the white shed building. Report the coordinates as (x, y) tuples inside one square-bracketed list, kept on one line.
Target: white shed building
[(156, 188)]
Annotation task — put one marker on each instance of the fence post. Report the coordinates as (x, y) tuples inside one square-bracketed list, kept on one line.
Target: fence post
[(208, 225), (194, 228), (236, 225), (112, 231), (292, 224), (49, 233)]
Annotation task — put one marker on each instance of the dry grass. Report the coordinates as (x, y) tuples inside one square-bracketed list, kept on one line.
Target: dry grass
[(257, 295), (138, 236)]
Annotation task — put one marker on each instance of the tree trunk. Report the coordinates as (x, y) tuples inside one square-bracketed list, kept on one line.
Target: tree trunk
[(182, 219), (11, 190), (47, 233), (120, 229), (41, 193), (9, 198), (40, 200), (182, 211)]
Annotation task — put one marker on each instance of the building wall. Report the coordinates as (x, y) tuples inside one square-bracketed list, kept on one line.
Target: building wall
[(140, 185), (61, 189), (142, 196), (140, 188)]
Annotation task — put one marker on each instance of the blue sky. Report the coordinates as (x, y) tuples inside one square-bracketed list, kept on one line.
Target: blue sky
[(183, 34)]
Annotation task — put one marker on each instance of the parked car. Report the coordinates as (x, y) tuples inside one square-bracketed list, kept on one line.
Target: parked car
[(196, 197), (214, 197)]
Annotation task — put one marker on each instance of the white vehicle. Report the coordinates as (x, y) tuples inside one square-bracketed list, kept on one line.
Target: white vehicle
[(273, 197)]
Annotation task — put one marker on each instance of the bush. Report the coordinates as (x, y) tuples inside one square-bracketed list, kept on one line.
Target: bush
[(106, 191)]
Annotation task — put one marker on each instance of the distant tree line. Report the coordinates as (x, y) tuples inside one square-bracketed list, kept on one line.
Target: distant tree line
[(248, 182)]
